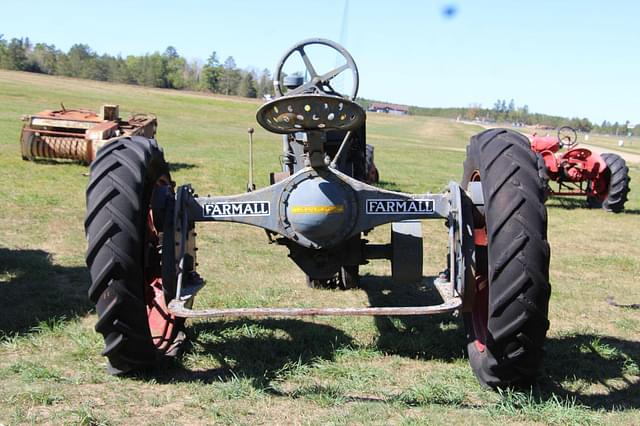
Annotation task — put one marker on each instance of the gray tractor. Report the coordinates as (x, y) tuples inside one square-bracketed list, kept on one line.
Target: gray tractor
[(142, 240)]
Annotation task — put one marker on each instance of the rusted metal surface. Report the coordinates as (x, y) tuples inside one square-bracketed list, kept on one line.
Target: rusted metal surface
[(450, 302), (77, 134), (59, 147)]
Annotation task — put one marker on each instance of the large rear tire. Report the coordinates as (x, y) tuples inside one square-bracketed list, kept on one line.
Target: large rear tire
[(124, 256), (618, 183), (506, 327)]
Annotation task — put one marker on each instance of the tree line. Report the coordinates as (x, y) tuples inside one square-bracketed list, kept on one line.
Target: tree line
[(165, 70), (503, 111)]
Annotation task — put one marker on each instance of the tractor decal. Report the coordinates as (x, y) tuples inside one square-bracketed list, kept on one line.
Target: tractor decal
[(241, 208), (384, 206), (318, 209)]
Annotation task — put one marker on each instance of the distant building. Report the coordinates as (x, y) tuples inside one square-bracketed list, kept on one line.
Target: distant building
[(389, 108)]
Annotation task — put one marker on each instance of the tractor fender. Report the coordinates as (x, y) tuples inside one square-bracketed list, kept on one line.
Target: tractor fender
[(591, 162), (461, 239)]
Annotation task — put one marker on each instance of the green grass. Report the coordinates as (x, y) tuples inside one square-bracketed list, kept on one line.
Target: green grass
[(293, 371), (631, 144)]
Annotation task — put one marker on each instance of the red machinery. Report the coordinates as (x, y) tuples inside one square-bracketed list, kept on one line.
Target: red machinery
[(603, 179)]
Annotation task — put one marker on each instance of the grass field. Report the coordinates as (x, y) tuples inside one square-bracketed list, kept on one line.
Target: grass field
[(289, 371)]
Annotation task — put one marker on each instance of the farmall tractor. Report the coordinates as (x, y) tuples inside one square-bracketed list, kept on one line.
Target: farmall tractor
[(603, 179), (142, 241)]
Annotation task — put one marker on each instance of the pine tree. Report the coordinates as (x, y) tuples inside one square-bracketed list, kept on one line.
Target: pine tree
[(230, 77), (247, 86), (15, 55), (211, 73)]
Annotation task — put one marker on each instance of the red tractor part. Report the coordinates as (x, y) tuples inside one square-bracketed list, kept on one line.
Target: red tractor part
[(581, 172)]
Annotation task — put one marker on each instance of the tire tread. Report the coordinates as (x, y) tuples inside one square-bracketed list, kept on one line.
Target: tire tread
[(518, 258), (115, 223)]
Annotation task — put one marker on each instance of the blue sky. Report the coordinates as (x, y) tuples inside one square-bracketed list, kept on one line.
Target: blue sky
[(571, 58)]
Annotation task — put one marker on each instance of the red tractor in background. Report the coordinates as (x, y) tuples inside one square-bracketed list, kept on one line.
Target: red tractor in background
[(603, 179)]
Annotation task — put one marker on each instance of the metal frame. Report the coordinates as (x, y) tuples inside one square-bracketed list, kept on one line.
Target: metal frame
[(201, 209), (251, 209), (320, 212)]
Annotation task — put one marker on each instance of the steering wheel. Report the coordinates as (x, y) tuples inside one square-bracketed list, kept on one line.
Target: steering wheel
[(567, 137), (319, 83), (309, 112)]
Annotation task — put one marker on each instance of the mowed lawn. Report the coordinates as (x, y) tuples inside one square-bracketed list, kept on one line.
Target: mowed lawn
[(292, 371)]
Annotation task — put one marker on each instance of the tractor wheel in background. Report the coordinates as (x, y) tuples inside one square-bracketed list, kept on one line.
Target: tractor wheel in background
[(124, 257), (322, 283), (593, 202), (618, 183), (373, 176), (507, 325), (543, 175), (348, 278)]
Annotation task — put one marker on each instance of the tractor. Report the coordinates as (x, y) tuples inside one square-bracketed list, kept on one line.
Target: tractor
[(603, 179), (141, 232)]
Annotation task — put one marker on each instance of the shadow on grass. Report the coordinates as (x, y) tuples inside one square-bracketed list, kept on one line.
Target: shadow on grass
[(573, 363), (262, 350), (596, 372), (174, 167), (630, 211), (439, 336), (259, 350), (569, 203), (572, 367), (58, 162), (574, 203), (32, 290)]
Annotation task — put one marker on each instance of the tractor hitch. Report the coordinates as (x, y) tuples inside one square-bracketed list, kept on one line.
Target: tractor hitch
[(450, 302)]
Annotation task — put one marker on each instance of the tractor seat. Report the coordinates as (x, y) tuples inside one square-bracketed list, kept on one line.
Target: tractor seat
[(310, 112)]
